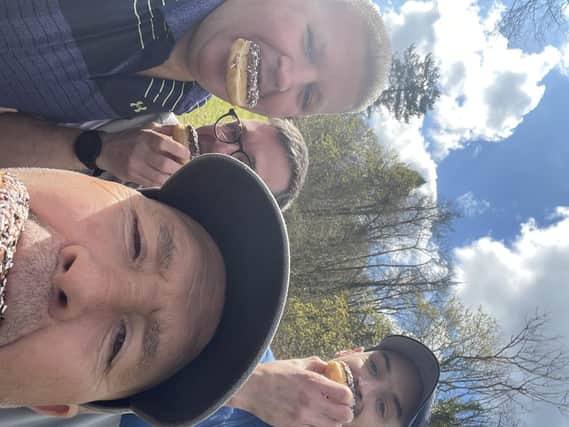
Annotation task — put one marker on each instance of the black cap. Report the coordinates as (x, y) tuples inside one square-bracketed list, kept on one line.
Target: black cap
[(427, 365), (241, 215)]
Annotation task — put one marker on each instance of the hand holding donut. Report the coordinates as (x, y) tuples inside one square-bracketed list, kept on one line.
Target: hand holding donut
[(290, 393)]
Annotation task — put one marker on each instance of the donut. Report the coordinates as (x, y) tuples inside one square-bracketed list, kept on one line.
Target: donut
[(188, 137), (243, 70), (335, 372), (341, 373), (14, 209)]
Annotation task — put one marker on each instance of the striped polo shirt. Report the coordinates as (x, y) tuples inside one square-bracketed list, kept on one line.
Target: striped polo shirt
[(75, 60)]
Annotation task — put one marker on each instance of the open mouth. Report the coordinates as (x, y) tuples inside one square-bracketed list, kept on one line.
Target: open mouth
[(14, 208)]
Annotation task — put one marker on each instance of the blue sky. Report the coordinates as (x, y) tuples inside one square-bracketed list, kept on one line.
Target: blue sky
[(523, 176), (496, 145)]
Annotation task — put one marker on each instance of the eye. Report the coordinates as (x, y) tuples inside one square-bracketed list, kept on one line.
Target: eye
[(136, 240), (373, 369), (381, 408), (118, 341)]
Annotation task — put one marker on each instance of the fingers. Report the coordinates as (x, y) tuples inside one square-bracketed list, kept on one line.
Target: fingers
[(163, 129), (162, 164), (151, 178), (334, 412), (315, 364), (319, 412), (347, 352), (337, 393), (165, 145)]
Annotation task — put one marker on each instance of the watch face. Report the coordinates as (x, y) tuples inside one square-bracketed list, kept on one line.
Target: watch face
[(88, 147)]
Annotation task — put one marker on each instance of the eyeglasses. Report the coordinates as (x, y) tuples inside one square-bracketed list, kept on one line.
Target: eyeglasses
[(228, 129)]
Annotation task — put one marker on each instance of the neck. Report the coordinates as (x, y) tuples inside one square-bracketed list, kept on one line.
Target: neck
[(176, 66)]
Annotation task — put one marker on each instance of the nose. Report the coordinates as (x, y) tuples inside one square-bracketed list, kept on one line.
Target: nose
[(290, 74), (79, 285)]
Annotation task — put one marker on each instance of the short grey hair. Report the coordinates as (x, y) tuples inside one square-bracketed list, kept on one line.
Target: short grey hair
[(377, 63), (296, 150)]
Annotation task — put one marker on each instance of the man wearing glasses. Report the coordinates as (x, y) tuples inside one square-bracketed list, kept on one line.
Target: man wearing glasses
[(147, 155)]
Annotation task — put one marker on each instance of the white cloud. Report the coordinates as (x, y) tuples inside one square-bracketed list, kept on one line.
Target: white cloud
[(564, 65), (511, 281), (408, 142), (470, 206), (487, 88)]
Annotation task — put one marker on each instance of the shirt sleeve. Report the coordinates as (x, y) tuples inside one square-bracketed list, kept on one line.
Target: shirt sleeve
[(223, 417)]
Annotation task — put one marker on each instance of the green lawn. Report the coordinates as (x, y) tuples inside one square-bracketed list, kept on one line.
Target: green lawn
[(213, 109)]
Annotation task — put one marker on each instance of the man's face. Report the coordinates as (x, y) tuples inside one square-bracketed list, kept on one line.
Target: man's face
[(387, 385), (312, 53), (110, 293), (260, 142)]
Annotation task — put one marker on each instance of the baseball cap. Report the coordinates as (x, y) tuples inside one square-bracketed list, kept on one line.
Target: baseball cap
[(241, 215), (427, 365)]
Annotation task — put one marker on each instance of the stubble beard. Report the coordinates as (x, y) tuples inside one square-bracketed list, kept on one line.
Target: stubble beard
[(29, 282)]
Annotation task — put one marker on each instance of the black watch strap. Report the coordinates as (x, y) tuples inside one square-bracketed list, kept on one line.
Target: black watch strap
[(87, 148)]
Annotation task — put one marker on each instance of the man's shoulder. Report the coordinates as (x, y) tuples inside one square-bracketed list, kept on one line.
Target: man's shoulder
[(22, 417)]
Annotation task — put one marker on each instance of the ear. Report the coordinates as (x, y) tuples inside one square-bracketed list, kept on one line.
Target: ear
[(348, 352), (66, 411)]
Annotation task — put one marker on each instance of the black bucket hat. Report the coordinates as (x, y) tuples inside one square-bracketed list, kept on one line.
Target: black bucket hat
[(427, 365), (241, 215)]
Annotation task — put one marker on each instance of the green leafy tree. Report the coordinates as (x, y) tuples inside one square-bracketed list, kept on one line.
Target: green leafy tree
[(361, 233), (413, 86), (327, 325), (359, 225)]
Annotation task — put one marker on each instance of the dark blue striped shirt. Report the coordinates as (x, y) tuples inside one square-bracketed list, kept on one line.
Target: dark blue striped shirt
[(75, 60)]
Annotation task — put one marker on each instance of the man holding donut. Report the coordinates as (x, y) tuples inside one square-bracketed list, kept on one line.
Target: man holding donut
[(79, 60), (392, 384), (144, 153)]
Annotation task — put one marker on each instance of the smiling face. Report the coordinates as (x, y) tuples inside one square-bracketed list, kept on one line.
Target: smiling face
[(261, 143), (110, 293), (312, 53), (387, 385)]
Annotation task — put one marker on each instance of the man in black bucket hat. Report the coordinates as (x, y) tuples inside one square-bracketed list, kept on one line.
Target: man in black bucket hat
[(121, 301), (391, 384)]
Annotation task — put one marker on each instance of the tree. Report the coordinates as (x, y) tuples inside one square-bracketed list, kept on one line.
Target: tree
[(486, 376), (327, 325), (359, 225), (413, 85), (454, 412), (534, 19)]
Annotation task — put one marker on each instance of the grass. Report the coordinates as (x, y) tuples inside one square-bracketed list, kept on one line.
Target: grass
[(212, 110)]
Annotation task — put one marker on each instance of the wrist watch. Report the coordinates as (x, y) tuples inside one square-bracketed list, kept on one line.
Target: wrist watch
[(87, 147)]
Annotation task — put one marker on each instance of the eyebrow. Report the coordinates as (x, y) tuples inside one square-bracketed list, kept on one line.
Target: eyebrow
[(398, 407), (150, 342), (166, 248)]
